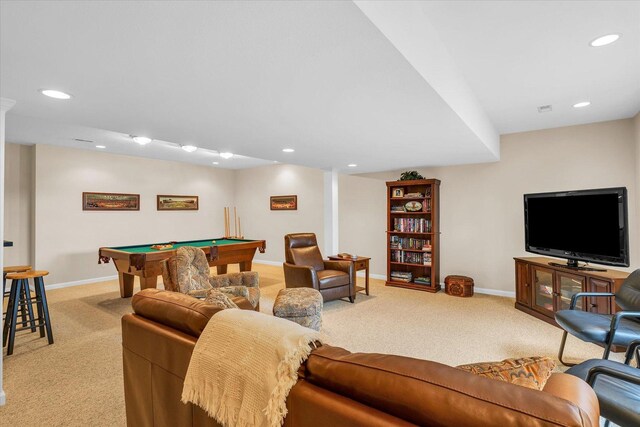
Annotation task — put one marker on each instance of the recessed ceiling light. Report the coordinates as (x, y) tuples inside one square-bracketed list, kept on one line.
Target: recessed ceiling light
[(142, 140), (189, 148), (352, 165), (605, 40), (51, 93), (226, 155), (216, 163), (582, 104), (288, 150), (101, 146)]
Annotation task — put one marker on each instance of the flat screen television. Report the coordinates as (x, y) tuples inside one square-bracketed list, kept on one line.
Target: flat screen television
[(585, 225)]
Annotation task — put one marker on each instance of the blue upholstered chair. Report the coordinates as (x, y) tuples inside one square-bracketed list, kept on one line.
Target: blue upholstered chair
[(620, 328)]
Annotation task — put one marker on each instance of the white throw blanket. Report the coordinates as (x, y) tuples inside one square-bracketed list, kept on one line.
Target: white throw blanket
[(244, 365)]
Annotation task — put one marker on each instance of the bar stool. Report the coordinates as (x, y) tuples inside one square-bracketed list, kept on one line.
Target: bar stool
[(12, 269), (20, 281), (26, 310)]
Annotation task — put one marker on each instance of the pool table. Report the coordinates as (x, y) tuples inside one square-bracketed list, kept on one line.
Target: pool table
[(145, 262)]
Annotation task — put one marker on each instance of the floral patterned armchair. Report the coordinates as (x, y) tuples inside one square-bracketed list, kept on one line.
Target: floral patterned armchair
[(188, 273)]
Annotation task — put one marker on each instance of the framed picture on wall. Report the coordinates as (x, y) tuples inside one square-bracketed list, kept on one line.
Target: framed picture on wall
[(177, 203), (110, 202), (284, 203)]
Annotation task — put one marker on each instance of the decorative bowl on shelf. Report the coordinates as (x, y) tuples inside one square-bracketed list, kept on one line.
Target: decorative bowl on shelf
[(413, 206)]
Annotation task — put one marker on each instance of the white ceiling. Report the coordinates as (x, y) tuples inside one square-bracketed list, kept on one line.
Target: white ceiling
[(518, 55), (339, 82)]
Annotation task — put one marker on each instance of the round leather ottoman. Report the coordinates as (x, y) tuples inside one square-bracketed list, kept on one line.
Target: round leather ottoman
[(300, 305)]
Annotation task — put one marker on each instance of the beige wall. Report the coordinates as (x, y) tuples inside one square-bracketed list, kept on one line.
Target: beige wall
[(481, 205), (481, 215), (68, 238), (18, 203), (362, 210), (253, 189)]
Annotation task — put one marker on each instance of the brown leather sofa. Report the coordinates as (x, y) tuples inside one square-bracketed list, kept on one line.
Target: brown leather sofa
[(305, 268), (336, 388)]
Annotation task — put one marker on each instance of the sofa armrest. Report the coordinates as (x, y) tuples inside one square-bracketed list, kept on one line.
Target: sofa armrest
[(300, 276), (576, 391), (346, 266)]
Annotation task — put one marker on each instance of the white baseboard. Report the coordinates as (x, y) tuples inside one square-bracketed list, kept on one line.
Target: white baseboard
[(509, 294), (80, 282), (265, 262)]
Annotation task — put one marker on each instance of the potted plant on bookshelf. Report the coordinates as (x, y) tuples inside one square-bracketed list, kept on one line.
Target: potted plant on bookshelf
[(410, 176)]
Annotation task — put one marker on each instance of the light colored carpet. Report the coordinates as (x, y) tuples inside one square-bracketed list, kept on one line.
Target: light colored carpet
[(77, 381)]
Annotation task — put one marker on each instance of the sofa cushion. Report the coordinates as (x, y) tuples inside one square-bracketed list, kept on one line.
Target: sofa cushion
[(182, 312), (531, 372), (332, 278), (421, 391)]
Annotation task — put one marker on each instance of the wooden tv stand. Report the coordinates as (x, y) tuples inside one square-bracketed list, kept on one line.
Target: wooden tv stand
[(542, 288)]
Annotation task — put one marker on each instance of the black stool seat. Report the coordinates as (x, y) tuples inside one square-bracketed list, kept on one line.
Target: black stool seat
[(20, 297)]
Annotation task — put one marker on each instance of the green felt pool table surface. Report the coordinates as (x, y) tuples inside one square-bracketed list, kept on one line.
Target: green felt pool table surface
[(139, 249)]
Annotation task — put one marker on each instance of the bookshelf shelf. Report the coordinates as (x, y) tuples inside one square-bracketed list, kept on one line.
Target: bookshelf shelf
[(407, 232), (410, 263), (409, 213), (412, 231)]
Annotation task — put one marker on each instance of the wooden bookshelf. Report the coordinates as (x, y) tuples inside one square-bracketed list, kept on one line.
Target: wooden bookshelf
[(413, 236)]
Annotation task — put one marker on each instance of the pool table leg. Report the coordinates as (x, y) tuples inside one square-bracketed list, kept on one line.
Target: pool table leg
[(148, 282), (126, 284), (221, 269), (245, 266)]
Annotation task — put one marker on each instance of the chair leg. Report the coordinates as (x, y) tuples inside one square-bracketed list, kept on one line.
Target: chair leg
[(14, 315), (561, 351), (352, 299), (45, 307), (29, 303), (607, 350), (606, 423), (7, 319)]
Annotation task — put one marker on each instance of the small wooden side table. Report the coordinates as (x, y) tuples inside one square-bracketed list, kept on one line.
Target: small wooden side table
[(359, 263)]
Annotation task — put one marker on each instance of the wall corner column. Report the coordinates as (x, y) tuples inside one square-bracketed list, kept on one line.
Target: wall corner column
[(5, 105), (331, 235)]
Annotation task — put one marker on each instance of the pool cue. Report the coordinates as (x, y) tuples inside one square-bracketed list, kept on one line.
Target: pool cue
[(226, 225), (239, 228), (235, 222)]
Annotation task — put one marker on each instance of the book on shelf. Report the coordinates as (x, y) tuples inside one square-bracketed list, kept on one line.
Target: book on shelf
[(423, 280), (412, 225), (401, 276), (397, 242)]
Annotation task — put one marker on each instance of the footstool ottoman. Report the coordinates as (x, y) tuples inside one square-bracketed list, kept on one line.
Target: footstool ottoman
[(300, 305)]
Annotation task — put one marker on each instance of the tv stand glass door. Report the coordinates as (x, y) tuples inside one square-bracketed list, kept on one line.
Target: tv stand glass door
[(552, 290)]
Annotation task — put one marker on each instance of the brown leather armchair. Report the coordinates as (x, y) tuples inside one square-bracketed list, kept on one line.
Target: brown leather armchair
[(305, 268)]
